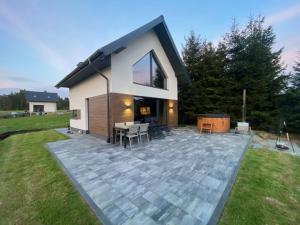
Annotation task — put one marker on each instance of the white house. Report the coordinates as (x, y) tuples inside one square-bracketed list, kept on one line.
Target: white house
[(131, 79), (41, 101)]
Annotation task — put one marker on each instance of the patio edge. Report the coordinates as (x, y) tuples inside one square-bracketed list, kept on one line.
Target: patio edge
[(99, 214), (221, 204)]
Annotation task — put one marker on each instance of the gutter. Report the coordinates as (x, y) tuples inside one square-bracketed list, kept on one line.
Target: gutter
[(107, 97)]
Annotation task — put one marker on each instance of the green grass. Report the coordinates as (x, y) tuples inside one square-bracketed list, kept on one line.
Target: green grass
[(34, 122), (267, 191), (34, 190)]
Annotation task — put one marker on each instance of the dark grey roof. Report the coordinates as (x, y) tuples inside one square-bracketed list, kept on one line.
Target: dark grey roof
[(101, 58), (36, 96)]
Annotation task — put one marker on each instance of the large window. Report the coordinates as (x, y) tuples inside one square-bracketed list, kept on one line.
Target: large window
[(148, 72), (150, 110)]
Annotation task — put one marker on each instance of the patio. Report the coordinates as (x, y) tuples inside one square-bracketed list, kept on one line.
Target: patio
[(184, 178)]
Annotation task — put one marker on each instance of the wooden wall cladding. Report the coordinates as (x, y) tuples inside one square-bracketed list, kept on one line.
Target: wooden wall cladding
[(172, 109), (97, 110), (121, 108)]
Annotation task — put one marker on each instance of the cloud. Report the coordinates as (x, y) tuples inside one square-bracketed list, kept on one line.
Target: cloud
[(9, 78), (13, 76), (284, 15), (21, 30)]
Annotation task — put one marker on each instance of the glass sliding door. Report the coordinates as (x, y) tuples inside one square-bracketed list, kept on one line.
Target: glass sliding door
[(150, 110)]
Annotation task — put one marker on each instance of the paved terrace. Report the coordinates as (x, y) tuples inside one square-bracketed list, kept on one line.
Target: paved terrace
[(183, 179)]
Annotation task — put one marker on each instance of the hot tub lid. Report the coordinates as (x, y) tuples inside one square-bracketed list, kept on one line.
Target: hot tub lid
[(214, 115)]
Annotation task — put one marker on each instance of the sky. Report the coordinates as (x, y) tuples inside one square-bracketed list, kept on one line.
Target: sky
[(42, 41)]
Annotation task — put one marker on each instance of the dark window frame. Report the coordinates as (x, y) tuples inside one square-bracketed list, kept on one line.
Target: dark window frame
[(155, 58), (76, 114)]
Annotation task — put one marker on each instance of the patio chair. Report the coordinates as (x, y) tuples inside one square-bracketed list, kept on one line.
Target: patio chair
[(133, 132), (144, 127), (206, 127), (129, 123), (243, 128), (120, 133)]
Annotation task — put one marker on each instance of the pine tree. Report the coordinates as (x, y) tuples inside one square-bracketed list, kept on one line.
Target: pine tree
[(296, 75), (254, 66), (290, 102), (245, 59), (190, 55), (205, 64)]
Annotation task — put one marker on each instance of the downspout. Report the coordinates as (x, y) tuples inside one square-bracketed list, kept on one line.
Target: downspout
[(107, 98)]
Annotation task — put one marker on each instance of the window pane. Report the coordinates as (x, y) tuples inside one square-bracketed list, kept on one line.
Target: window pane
[(158, 78), (76, 114), (150, 110), (141, 71)]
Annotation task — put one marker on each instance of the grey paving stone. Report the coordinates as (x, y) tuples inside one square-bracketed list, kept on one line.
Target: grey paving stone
[(178, 180), (126, 206)]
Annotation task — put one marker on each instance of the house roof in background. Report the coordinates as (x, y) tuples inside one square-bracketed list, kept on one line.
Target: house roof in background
[(36, 96), (101, 58)]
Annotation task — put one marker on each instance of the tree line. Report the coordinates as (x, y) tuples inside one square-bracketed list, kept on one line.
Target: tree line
[(244, 59), (17, 101)]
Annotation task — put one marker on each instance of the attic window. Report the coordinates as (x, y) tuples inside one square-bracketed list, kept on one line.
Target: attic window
[(147, 71)]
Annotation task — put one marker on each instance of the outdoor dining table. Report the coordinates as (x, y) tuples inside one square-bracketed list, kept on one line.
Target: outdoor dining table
[(124, 128)]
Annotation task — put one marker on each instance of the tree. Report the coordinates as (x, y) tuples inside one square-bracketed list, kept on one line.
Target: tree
[(190, 55), (14, 101), (244, 59), (290, 102), (296, 76), (205, 65), (254, 66), (63, 103), (290, 108)]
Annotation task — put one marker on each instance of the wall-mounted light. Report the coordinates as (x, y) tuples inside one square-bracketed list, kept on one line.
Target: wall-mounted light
[(127, 103)]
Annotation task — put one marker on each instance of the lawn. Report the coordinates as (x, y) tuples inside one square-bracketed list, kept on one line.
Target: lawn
[(34, 190), (267, 191), (34, 122)]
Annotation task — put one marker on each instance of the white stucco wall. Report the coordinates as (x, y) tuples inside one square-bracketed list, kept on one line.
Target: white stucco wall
[(121, 69), (48, 106), (121, 78), (93, 86)]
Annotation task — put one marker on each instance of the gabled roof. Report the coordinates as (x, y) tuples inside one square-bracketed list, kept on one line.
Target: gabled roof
[(101, 58), (36, 96)]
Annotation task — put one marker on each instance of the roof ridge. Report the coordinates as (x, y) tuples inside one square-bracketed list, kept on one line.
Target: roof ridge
[(101, 57)]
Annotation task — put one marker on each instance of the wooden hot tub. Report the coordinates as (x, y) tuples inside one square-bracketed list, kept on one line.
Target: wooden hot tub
[(220, 122)]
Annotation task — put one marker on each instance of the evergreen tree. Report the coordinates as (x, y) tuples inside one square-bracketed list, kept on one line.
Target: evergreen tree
[(290, 107), (290, 102), (296, 76), (191, 56), (205, 65), (245, 59), (254, 66), (63, 103)]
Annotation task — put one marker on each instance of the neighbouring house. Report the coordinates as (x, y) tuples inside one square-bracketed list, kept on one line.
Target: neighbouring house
[(134, 78), (41, 101)]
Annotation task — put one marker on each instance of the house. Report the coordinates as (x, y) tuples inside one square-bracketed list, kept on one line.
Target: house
[(134, 78), (41, 101)]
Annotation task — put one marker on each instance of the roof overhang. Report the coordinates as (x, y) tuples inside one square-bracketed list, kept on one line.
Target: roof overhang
[(101, 59), (85, 70)]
